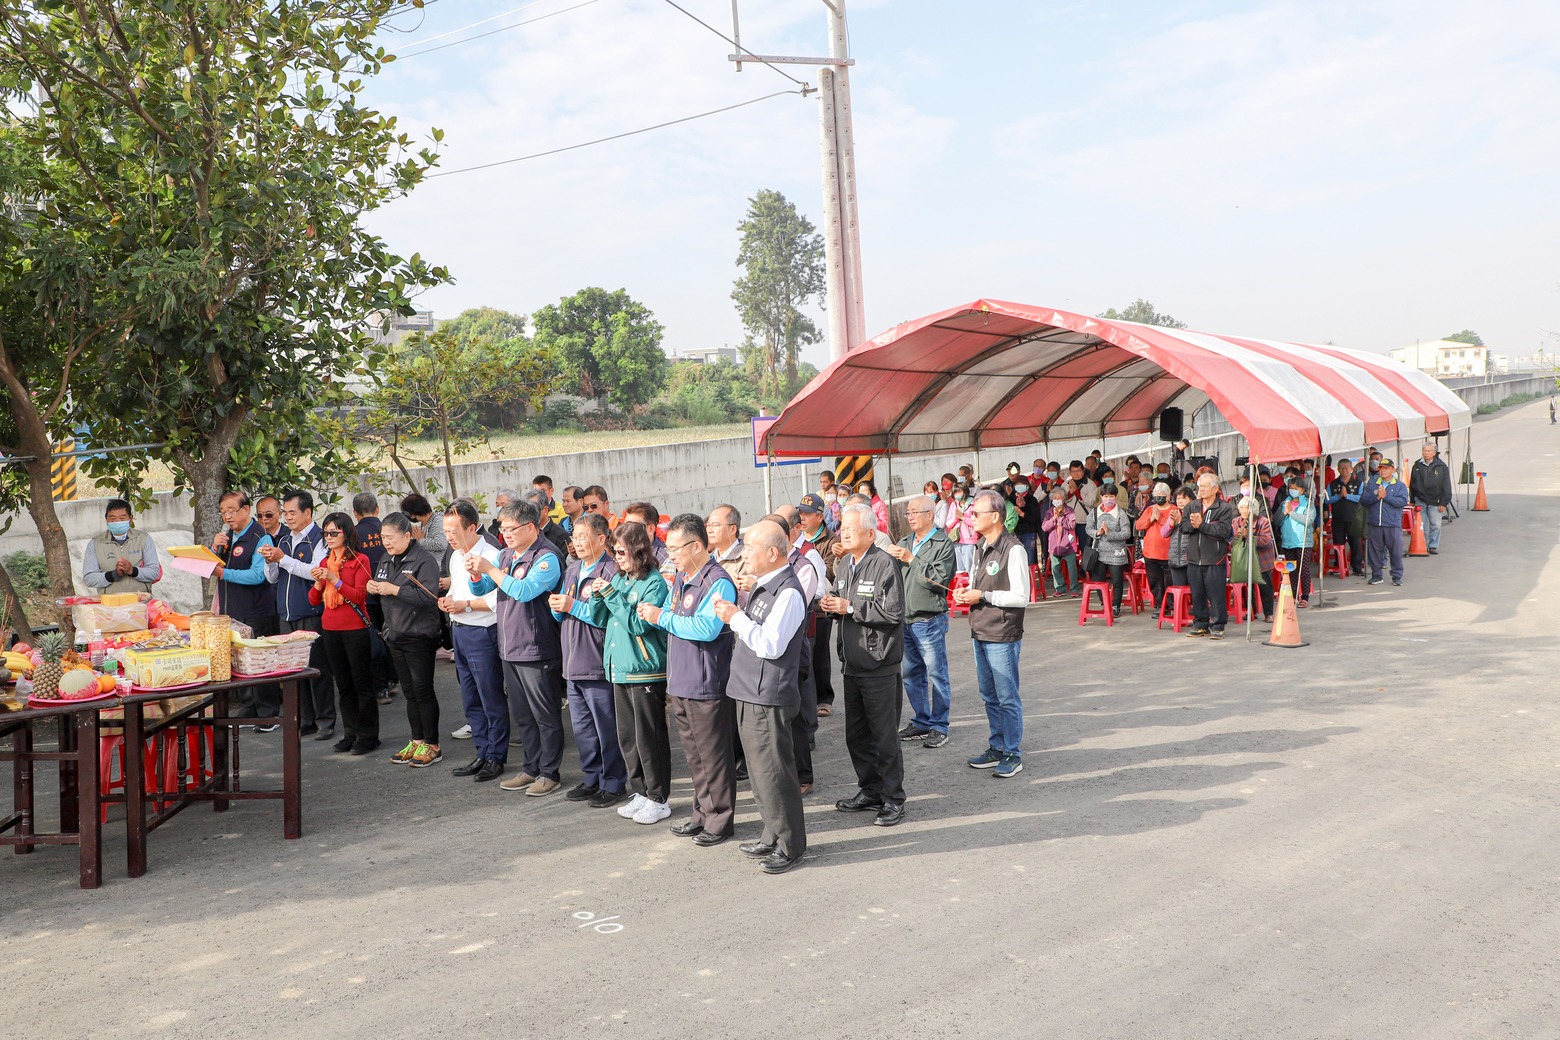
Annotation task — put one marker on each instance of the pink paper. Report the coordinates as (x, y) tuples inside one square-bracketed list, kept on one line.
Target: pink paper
[(199, 568)]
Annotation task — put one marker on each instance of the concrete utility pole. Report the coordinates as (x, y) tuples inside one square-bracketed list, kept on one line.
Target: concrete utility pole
[(841, 219)]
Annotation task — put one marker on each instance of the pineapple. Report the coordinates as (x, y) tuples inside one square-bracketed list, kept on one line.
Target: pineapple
[(46, 676)]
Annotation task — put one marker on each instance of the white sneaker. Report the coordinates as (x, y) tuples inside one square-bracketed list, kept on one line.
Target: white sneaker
[(652, 812), (464, 733), (634, 805)]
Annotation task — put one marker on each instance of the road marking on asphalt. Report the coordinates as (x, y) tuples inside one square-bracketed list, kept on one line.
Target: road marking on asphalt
[(603, 925)]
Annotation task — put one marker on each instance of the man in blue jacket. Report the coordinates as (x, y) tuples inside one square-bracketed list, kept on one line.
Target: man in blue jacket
[(1384, 497)]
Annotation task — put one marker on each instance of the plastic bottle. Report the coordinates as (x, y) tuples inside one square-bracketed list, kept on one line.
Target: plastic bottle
[(97, 649)]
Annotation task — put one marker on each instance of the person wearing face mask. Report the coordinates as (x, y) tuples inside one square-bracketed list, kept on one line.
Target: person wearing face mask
[(1053, 476), (1112, 532), (1013, 477), (1156, 523), (1294, 538), (121, 559), (1060, 531), (1252, 525), (944, 496), (836, 498), (1027, 518), (960, 528)]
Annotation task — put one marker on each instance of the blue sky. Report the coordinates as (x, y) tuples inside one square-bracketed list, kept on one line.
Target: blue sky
[(1370, 172)]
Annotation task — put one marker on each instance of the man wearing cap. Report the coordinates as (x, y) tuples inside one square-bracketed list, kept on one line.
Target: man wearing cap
[(1384, 497), (1430, 485), (925, 558)]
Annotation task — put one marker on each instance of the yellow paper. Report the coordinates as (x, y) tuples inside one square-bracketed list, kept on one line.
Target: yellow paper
[(194, 552)]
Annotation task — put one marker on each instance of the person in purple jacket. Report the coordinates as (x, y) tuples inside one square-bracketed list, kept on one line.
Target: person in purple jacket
[(698, 663), (591, 711)]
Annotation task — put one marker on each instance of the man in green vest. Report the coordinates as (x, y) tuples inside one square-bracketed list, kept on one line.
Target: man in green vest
[(121, 559)]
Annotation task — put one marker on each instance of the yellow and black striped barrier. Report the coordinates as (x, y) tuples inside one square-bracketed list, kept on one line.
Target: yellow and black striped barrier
[(62, 471), (850, 469)]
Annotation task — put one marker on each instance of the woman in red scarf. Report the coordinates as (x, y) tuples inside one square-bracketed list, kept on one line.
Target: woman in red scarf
[(341, 585)]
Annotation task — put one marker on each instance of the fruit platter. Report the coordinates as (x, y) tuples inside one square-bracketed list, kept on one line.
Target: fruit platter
[(52, 672)]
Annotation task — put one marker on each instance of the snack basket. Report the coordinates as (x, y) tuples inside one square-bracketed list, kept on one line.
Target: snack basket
[(264, 656)]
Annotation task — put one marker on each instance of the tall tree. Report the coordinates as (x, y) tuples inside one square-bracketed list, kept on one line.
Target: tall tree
[(1142, 312), (212, 159), (608, 344), (1467, 336), (783, 269)]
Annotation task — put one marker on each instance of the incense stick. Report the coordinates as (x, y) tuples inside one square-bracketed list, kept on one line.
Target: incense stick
[(420, 585)]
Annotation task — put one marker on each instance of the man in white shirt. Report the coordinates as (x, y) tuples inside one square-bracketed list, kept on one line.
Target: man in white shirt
[(478, 666), (770, 636)]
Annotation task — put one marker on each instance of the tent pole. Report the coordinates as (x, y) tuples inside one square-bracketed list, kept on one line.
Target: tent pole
[(769, 495), (1319, 500), (888, 499), (1253, 594)]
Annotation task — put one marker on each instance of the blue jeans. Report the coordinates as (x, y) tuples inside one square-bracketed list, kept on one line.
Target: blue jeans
[(594, 717), (481, 676), (1433, 518), (996, 670), (925, 671), (1028, 540)]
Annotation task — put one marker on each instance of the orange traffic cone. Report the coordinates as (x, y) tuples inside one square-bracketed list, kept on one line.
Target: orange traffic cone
[(1286, 620), (1480, 503), (1416, 538)]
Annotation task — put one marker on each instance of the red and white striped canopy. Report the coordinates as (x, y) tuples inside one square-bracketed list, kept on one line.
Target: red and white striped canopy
[(992, 374)]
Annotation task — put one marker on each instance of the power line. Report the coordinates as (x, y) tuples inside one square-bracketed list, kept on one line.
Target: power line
[(737, 45), (504, 28), (614, 137), (473, 25)]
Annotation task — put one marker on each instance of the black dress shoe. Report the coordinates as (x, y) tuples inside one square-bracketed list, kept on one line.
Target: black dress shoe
[(861, 801), (324, 734), (490, 770), (890, 814), (343, 745), (581, 793), (308, 731), (365, 747), (471, 768), (687, 829), (603, 799), (742, 773), (707, 838), (756, 849), (778, 863)]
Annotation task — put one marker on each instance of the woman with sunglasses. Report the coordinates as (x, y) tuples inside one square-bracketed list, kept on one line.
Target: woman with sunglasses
[(635, 657), (341, 587)]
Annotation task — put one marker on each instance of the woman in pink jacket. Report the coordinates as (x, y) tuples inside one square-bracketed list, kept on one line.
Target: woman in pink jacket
[(959, 525), (1060, 531)]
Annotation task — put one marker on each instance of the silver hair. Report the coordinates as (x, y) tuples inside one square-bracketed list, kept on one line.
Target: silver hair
[(1213, 477), (509, 493), (922, 502), (865, 518), (1159, 489), (991, 500)]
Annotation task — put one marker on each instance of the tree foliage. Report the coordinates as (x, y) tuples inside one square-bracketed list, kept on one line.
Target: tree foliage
[(1142, 312), (1466, 336), (608, 344), (432, 382), (783, 269), (200, 171)]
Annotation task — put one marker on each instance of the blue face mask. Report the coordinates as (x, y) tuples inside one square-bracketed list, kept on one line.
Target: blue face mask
[(119, 528), (1294, 492)]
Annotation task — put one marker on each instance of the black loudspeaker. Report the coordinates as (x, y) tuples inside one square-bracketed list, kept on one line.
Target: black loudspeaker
[(1170, 421)]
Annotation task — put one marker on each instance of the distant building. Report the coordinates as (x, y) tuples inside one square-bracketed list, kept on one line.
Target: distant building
[(709, 355), (1445, 359), (388, 330)]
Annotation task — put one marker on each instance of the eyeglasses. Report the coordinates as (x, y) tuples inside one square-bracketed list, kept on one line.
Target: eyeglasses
[(266, 516), (591, 507), (984, 512), (619, 552), (918, 512), (333, 534), (679, 547), (511, 528)]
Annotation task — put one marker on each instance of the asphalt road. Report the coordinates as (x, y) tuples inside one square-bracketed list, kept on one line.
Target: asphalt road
[(1352, 840)]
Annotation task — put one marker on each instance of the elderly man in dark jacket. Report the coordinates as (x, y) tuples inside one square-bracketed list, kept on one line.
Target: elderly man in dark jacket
[(1430, 486), (869, 601), (1208, 524)]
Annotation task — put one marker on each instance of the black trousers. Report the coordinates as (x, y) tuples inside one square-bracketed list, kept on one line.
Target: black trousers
[(317, 700), (535, 703), (767, 734), (1158, 579), (872, 705), (823, 662), (1115, 573), (645, 738), (1210, 605), (412, 658), (705, 729), (1300, 577), (349, 656), (805, 722), (384, 672)]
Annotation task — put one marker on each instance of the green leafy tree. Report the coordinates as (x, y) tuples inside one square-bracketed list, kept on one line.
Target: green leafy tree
[(201, 170), (1467, 336), (431, 383), (608, 344), (506, 334), (1142, 312), (783, 269)]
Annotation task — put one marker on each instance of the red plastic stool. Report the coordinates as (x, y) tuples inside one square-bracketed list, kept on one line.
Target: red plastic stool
[(1338, 560), (199, 742), (1036, 584), (955, 609), (1181, 596), (1410, 518), (1235, 602), (1139, 595), (111, 748), (1085, 612)]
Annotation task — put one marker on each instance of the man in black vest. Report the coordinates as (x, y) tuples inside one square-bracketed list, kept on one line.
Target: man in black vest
[(770, 636), (243, 594), (290, 567), (869, 600), (997, 595)]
